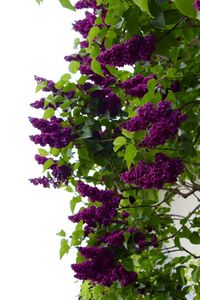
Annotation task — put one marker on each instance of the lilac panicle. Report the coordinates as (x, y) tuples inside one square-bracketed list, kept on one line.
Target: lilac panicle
[(84, 26), (135, 49), (100, 267), (136, 86), (154, 175), (197, 5), (161, 122), (81, 4), (52, 132)]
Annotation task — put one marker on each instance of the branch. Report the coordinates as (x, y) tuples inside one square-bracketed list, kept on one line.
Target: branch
[(186, 219), (169, 31), (182, 249)]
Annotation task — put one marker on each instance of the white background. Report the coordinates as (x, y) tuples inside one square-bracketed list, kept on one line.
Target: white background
[(33, 40)]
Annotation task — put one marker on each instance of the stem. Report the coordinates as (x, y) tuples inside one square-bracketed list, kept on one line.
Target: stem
[(186, 219), (182, 249), (169, 31)]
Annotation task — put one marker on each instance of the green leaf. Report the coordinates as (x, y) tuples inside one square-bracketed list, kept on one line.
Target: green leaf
[(186, 7), (86, 133), (127, 133), (39, 1), (43, 152), (77, 235), (94, 31), (151, 85), (74, 66), (119, 142), (143, 5), (174, 51), (196, 274), (55, 151), (128, 264), (64, 247), (73, 203), (48, 113), (47, 164), (194, 238), (67, 4), (130, 154), (40, 86), (96, 67), (61, 233)]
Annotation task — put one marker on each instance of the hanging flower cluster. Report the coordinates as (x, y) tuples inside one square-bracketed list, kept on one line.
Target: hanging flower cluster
[(161, 122), (135, 49), (83, 26), (93, 215), (136, 86), (154, 175), (100, 267), (58, 174), (52, 132)]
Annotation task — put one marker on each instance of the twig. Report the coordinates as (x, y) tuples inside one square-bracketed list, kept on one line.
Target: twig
[(169, 31), (186, 219)]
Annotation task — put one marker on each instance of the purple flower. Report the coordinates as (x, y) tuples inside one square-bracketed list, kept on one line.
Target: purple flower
[(136, 86), (92, 215), (154, 175), (40, 159), (50, 85), (100, 267), (84, 26), (161, 122), (108, 101), (124, 276), (125, 214), (52, 132), (81, 4), (41, 180), (94, 193), (113, 239), (57, 174), (197, 5), (175, 86), (38, 104), (135, 49)]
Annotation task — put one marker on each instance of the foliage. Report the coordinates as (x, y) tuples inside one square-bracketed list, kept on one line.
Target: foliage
[(129, 142)]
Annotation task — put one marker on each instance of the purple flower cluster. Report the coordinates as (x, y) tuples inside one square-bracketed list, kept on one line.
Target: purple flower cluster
[(154, 175), (161, 122), (50, 85), (81, 4), (84, 26), (142, 242), (136, 86), (58, 175), (113, 239), (197, 5), (93, 215), (141, 239), (52, 132), (135, 49), (100, 267), (41, 181), (94, 194), (175, 86), (107, 101), (38, 104)]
